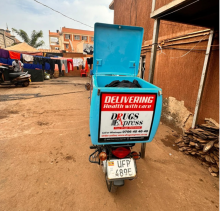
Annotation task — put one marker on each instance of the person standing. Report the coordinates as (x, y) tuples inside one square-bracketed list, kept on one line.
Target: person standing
[(17, 65)]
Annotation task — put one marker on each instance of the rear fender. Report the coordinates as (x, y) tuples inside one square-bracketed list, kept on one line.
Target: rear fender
[(119, 182)]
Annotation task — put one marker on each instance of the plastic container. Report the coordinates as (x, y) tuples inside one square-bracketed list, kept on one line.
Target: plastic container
[(120, 115)]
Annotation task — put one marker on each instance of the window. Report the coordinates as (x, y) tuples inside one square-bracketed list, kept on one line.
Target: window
[(54, 39), (67, 36), (92, 39), (76, 37), (67, 45), (56, 48), (84, 37)]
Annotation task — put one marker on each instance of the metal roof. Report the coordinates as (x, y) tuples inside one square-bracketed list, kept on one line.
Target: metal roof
[(195, 12)]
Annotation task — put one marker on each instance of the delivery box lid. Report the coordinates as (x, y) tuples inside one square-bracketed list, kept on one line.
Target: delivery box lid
[(117, 49)]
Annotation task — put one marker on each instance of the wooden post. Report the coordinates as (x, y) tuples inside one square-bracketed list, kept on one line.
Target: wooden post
[(143, 147), (202, 81), (154, 50)]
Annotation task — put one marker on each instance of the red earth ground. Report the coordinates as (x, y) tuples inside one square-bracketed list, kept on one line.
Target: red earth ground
[(44, 150)]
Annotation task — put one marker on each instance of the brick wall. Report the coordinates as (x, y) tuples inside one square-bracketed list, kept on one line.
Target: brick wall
[(178, 77)]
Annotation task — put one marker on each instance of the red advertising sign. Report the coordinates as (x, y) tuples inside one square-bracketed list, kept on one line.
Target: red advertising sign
[(126, 116)]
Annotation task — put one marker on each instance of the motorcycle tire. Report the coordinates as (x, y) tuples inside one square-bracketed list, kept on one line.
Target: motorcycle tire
[(25, 84), (110, 185)]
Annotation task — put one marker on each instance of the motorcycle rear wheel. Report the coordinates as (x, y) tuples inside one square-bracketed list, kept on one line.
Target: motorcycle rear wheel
[(110, 185)]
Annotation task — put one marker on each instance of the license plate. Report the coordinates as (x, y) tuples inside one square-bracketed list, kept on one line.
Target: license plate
[(121, 168)]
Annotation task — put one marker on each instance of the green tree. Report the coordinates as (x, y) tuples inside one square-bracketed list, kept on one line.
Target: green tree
[(32, 41)]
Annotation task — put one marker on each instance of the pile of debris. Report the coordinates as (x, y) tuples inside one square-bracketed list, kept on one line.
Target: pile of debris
[(203, 143)]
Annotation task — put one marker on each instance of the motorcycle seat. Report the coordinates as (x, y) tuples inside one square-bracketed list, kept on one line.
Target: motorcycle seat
[(15, 74)]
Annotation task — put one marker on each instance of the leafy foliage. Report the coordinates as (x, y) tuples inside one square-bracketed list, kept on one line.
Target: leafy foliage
[(32, 41)]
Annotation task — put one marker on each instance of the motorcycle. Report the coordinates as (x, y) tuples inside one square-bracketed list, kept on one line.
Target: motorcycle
[(124, 109), (15, 78)]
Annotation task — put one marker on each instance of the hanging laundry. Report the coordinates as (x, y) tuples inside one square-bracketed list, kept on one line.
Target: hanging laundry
[(4, 54), (70, 64), (90, 61), (14, 55), (80, 62), (21, 58), (64, 62), (56, 67), (28, 58), (86, 66), (32, 66), (47, 66), (44, 61), (84, 61), (3, 60), (75, 62), (52, 65), (26, 66), (38, 60)]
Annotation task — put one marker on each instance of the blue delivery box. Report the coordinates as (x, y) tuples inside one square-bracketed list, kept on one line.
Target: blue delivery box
[(121, 114)]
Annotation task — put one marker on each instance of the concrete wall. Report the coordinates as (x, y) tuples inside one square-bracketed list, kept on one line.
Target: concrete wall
[(178, 77)]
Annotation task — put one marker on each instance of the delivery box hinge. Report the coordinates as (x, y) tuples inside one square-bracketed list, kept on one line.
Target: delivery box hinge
[(99, 62), (98, 92), (132, 64)]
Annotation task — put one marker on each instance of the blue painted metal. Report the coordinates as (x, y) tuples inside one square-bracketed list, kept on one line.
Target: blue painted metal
[(117, 46), (117, 52)]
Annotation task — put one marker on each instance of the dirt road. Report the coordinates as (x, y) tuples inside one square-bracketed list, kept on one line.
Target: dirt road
[(44, 150)]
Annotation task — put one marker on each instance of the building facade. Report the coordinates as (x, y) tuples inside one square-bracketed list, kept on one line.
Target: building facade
[(177, 72), (70, 40), (6, 39)]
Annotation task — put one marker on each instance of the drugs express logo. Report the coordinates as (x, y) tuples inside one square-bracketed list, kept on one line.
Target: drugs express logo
[(125, 119), (124, 115)]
